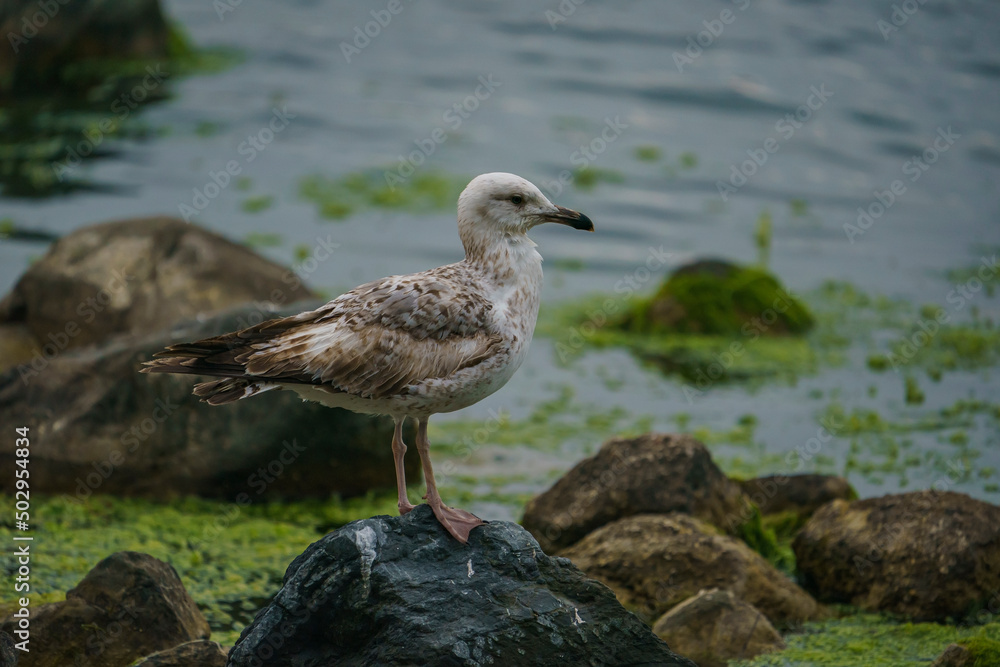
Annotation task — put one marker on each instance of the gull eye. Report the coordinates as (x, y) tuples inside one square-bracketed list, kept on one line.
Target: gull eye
[(517, 199)]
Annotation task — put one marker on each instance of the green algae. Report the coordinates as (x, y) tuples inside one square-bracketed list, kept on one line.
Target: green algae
[(257, 203), (587, 178), (872, 640), (878, 446), (231, 558), (701, 360), (762, 538), (548, 426), (688, 160), (984, 651), (648, 153), (799, 208), (698, 334), (762, 237), (339, 198), (262, 240)]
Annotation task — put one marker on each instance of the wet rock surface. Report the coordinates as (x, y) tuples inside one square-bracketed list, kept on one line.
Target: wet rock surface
[(652, 474), (43, 41), (715, 627), (654, 562), (129, 606), (927, 555), (201, 653), (399, 590), (8, 653)]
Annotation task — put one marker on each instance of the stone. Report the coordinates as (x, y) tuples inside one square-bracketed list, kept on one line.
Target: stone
[(44, 39), (655, 473), (128, 606), (401, 591), (926, 555), (133, 278), (972, 652), (654, 562), (717, 297), (100, 426), (714, 627), (201, 653), (801, 494), (954, 655), (8, 653)]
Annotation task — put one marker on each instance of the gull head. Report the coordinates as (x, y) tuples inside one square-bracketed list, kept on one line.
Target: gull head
[(504, 205)]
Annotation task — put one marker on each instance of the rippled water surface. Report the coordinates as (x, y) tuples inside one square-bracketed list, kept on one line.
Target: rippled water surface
[(834, 106)]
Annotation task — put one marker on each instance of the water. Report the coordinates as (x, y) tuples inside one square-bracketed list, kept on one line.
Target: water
[(556, 79)]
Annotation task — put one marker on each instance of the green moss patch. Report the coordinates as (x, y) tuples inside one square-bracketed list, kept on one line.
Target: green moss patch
[(984, 651), (871, 640), (230, 558), (763, 539), (596, 322), (712, 297)]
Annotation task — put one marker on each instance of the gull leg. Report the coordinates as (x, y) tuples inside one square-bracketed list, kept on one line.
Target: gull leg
[(458, 523), (398, 450)]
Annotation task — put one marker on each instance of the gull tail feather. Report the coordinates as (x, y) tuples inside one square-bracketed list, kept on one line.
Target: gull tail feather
[(230, 390)]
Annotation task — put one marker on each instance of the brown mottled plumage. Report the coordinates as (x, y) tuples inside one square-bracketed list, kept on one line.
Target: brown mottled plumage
[(407, 346)]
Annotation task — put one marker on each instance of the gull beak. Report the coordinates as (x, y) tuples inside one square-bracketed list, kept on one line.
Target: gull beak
[(567, 216)]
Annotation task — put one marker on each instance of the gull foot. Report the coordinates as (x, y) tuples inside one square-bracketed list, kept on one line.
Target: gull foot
[(404, 508), (458, 523)]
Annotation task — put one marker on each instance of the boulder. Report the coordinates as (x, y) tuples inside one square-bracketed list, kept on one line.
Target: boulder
[(715, 627), (800, 495), (97, 425), (8, 652), (653, 474), (130, 605), (201, 653), (654, 562), (926, 555), (45, 40), (401, 591), (132, 277), (718, 298), (954, 655)]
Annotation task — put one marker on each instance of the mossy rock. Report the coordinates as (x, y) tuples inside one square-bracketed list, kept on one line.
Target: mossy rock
[(971, 652), (983, 650), (716, 297)]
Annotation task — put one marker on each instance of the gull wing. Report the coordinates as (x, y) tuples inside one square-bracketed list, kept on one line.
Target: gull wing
[(371, 342)]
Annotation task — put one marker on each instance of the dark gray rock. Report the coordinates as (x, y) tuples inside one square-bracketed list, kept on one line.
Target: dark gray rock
[(128, 606), (8, 653), (926, 555), (100, 426), (655, 473), (400, 591), (40, 50), (200, 653)]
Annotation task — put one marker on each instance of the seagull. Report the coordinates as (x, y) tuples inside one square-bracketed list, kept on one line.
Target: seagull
[(405, 346)]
